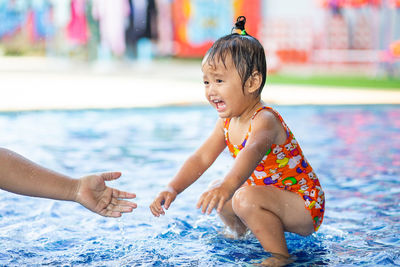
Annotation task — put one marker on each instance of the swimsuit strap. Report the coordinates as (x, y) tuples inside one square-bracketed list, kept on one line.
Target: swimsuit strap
[(226, 123), (228, 120), (226, 128), (276, 114)]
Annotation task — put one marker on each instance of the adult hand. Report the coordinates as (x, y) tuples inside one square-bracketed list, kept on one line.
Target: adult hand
[(93, 194)]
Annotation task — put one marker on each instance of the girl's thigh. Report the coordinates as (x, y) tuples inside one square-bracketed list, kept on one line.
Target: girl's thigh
[(288, 206)]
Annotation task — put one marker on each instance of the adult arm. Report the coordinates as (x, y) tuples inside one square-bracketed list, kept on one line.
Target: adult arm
[(22, 176)]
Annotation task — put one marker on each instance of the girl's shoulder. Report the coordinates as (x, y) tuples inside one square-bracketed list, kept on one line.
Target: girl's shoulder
[(269, 121), (266, 117)]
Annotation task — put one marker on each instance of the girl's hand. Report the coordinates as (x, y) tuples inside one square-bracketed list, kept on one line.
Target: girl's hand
[(93, 194), (165, 198), (214, 197)]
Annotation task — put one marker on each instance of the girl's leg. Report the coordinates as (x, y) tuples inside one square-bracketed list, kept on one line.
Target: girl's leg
[(231, 220), (269, 212), (228, 216)]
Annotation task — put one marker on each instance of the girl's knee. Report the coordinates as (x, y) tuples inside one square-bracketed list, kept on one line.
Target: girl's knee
[(243, 202)]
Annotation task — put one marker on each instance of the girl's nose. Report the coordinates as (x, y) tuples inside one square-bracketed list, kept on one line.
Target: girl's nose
[(210, 90)]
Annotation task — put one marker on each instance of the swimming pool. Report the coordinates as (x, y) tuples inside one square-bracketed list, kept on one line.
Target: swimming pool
[(354, 149)]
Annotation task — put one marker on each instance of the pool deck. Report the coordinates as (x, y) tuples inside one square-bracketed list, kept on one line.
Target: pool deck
[(41, 84)]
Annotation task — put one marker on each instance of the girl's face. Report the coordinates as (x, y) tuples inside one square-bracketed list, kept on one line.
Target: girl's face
[(223, 88)]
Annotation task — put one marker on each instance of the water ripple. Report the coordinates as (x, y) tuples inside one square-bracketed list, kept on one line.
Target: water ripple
[(355, 150)]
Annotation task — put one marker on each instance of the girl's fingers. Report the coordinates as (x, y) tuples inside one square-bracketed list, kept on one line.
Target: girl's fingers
[(153, 208), (167, 202), (157, 202), (205, 204), (211, 205), (158, 205), (159, 210), (220, 205), (200, 202), (155, 211), (162, 200)]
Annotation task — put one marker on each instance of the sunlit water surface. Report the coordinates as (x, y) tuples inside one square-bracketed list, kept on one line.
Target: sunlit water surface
[(355, 150)]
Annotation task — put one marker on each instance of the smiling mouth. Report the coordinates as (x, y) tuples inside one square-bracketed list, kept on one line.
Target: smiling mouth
[(219, 104)]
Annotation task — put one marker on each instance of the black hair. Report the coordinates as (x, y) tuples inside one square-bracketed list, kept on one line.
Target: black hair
[(246, 51)]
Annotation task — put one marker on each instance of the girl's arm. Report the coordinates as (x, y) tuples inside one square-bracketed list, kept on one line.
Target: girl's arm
[(200, 160), (22, 176), (192, 169), (264, 132)]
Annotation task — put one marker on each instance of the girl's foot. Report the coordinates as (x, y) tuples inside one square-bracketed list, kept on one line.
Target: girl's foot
[(277, 260)]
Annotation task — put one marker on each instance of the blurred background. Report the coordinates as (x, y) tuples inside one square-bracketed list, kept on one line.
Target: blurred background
[(306, 41)]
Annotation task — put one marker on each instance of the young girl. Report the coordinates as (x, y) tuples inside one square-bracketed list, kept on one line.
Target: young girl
[(271, 187)]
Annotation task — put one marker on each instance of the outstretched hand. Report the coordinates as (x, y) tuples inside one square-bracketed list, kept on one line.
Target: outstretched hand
[(93, 194), (165, 198), (215, 197)]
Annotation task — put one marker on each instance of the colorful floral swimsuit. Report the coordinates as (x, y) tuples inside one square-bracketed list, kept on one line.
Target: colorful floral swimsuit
[(285, 167)]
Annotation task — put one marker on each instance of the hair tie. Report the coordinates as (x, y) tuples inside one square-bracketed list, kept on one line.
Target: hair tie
[(239, 25)]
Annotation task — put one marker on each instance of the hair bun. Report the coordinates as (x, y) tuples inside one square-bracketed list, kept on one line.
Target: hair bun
[(240, 22), (239, 25)]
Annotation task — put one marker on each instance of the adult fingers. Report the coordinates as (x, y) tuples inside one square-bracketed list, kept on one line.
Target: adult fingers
[(119, 208), (119, 202), (109, 176), (110, 213), (122, 194)]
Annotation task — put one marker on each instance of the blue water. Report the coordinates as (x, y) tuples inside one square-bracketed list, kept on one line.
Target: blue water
[(354, 149)]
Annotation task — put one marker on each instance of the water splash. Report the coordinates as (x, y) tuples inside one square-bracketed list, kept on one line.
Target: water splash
[(360, 227)]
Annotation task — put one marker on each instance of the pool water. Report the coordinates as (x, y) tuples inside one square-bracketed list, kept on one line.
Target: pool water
[(354, 149)]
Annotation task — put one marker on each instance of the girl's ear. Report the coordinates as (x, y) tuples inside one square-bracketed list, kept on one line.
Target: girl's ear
[(253, 82)]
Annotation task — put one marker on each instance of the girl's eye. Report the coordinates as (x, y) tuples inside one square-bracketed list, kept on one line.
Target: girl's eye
[(219, 81), (206, 82)]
